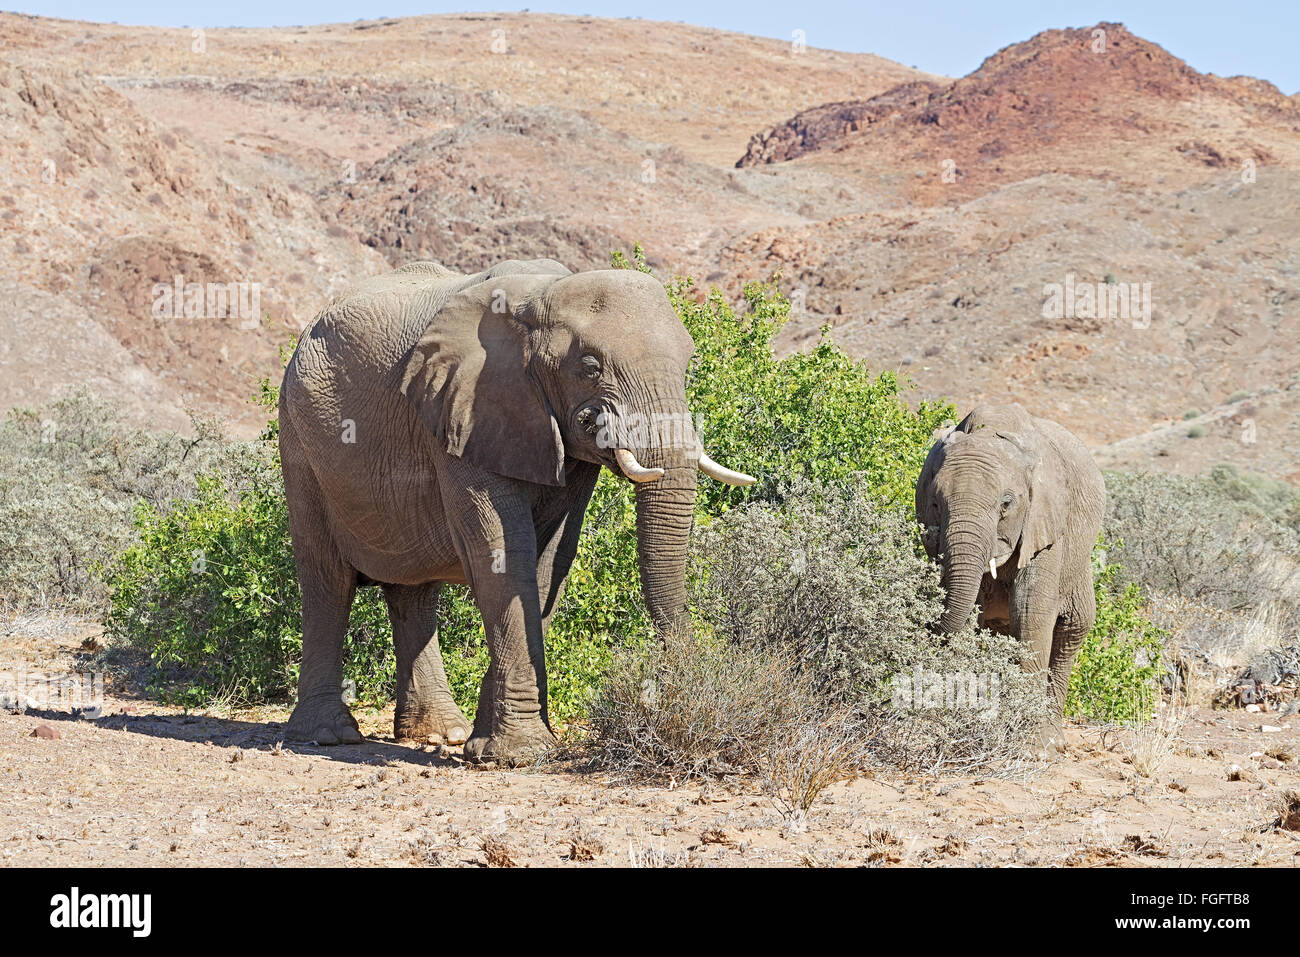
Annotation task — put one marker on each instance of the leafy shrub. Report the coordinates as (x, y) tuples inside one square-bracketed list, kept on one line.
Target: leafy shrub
[(1118, 667), (817, 414)]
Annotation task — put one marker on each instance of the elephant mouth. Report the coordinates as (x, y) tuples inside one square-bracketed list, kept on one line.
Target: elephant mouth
[(1001, 556)]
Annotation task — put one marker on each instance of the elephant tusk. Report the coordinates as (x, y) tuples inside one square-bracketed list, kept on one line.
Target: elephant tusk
[(724, 475), (993, 568), (633, 469)]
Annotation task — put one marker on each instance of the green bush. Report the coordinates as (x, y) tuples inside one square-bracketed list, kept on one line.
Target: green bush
[(1118, 667), (209, 590)]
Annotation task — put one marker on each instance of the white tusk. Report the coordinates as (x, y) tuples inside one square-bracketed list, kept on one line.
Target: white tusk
[(993, 569), (724, 475), (634, 469)]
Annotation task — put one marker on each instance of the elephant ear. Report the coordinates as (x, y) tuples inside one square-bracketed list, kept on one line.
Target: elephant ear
[(942, 437), (470, 379), (1045, 521)]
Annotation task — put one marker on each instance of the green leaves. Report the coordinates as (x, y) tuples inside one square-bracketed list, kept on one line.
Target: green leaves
[(1119, 664), (818, 414), (210, 590)]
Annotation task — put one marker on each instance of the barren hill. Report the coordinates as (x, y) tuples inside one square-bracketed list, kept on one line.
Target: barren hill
[(130, 156), (923, 218), (1094, 102)]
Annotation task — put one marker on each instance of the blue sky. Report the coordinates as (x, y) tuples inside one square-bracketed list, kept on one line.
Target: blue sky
[(942, 36)]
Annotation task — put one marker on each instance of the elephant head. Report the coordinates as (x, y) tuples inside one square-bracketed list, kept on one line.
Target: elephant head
[(532, 366), (984, 497)]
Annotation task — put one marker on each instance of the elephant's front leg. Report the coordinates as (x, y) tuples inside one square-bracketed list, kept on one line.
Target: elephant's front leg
[(1035, 606), (1071, 630), (493, 527)]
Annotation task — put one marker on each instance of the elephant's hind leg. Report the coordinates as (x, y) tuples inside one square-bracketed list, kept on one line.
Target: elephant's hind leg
[(320, 714), (328, 585), (426, 711)]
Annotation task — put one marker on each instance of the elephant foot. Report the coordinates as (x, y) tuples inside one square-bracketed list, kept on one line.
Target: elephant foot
[(514, 743), (1051, 739), (439, 722), (324, 722)]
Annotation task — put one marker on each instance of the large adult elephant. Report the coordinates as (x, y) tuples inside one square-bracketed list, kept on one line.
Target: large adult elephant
[(438, 427), (1011, 506)]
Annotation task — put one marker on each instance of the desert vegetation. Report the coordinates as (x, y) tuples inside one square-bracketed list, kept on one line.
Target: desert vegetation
[(812, 599)]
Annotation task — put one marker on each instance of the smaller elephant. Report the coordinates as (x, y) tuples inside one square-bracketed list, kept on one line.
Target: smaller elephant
[(1010, 506)]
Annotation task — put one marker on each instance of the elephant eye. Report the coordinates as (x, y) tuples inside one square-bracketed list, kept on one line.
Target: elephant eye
[(1007, 501), (590, 367)]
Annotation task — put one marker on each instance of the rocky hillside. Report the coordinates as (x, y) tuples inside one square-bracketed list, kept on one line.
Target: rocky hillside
[(926, 220), (296, 160), (1097, 102)]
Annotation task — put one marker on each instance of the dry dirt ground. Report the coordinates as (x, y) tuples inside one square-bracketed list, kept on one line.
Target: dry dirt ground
[(151, 785)]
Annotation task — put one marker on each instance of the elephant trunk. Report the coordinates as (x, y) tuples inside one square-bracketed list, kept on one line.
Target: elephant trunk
[(966, 546), (664, 511), (659, 452)]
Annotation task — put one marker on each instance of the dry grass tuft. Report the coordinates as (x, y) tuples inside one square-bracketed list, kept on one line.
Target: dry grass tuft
[(498, 853), (796, 767), (716, 835), (584, 845), (1281, 752), (1288, 812), (884, 846), (1154, 743)]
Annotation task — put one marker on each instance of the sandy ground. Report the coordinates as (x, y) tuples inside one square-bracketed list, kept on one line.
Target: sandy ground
[(150, 785)]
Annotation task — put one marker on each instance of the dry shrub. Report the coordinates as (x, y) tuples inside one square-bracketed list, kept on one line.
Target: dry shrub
[(833, 581), (696, 707), (71, 474), (1227, 539), (813, 607), (1212, 650)]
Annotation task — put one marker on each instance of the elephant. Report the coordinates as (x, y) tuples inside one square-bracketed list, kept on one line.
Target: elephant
[(1011, 505), (436, 428)]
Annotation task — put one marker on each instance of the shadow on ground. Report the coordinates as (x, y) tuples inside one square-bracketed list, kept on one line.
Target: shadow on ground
[(261, 735)]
